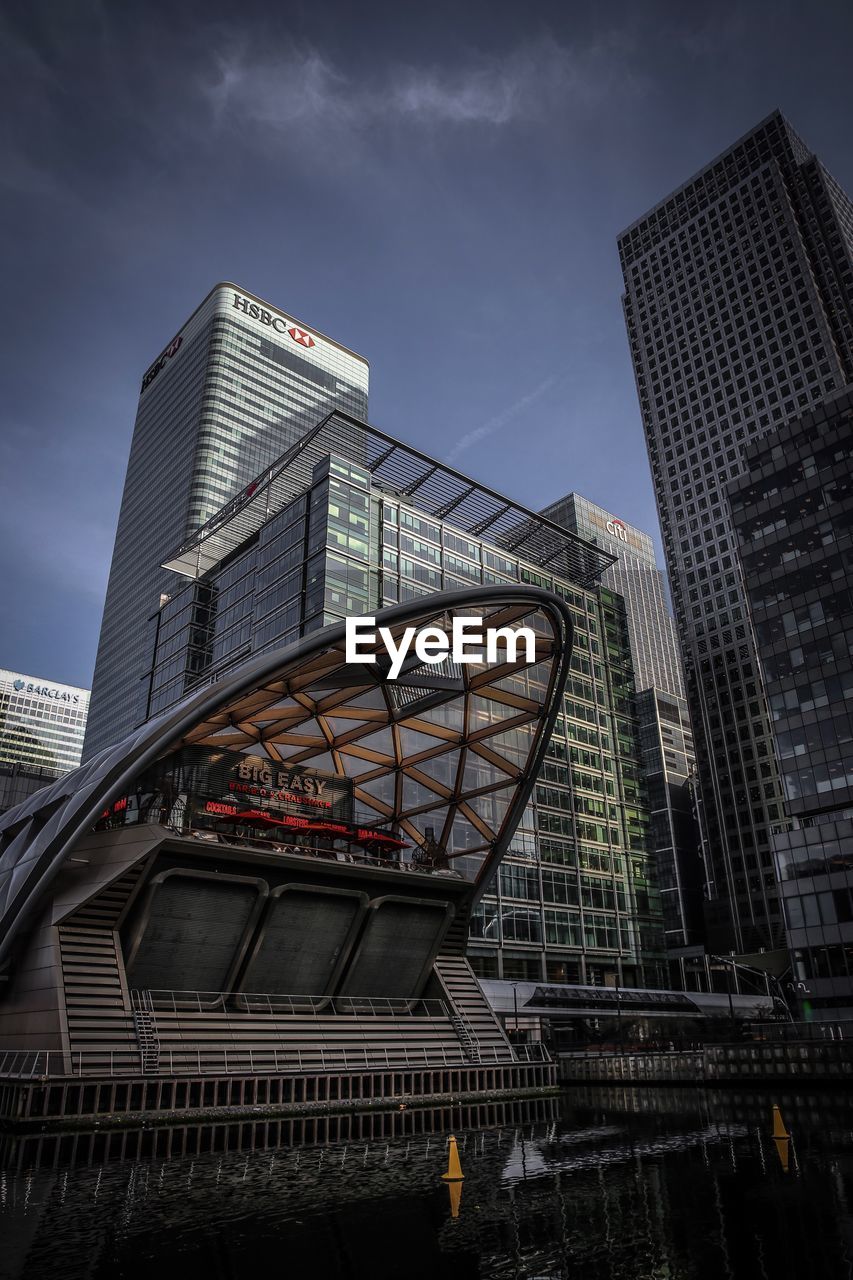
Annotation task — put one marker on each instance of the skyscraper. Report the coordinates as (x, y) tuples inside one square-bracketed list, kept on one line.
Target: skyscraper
[(238, 384), (668, 757), (739, 307), (793, 512), (636, 576)]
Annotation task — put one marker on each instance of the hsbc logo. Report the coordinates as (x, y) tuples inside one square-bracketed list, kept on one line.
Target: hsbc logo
[(160, 362), (300, 336), (617, 529)]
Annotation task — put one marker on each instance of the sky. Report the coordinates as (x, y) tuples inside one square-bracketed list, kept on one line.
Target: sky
[(439, 187)]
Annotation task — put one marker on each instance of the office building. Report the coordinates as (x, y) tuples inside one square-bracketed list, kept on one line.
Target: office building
[(668, 759), (42, 724), (738, 292), (237, 385), (636, 576), (323, 537), (793, 513)]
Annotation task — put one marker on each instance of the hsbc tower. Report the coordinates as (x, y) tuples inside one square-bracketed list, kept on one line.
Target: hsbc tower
[(237, 385)]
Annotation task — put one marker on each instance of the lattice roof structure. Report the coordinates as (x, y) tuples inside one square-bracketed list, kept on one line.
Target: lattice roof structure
[(447, 752)]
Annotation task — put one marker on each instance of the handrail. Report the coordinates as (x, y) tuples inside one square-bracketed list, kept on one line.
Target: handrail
[(271, 1003), (45, 1064)]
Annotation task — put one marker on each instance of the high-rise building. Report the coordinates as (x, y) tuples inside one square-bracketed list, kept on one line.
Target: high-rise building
[(793, 512), (635, 574), (669, 761), (42, 724), (238, 384), (739, 308), (351, 519)]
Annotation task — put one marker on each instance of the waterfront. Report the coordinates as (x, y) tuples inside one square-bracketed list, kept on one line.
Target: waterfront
[(597, 1183)]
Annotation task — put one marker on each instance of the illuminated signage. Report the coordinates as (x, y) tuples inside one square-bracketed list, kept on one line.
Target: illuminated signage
[(160, 362), (45, 691)]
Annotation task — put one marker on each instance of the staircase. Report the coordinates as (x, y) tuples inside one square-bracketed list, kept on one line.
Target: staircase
[(465, 1036), (474, 1023), (146, 1031)]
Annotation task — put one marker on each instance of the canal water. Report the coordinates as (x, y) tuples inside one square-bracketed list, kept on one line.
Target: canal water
[(599, 1184)]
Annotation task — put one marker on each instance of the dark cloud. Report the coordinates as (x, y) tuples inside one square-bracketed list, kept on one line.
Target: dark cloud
[(440, 187)]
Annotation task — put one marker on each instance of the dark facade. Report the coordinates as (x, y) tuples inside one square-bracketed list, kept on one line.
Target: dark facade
[(739, 308), (793, 512), (237, 385)]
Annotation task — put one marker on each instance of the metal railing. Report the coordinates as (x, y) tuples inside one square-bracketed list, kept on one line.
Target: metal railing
[(42, 1064), (791, 1032), (271, 1004)]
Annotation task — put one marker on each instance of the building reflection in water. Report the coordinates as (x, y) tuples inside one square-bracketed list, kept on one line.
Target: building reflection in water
[(599, 1183)]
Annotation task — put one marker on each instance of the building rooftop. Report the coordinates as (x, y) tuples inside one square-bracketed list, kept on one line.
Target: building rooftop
[(433, 487)]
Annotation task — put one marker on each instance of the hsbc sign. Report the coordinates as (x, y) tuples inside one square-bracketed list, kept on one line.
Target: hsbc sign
[(300, 336)]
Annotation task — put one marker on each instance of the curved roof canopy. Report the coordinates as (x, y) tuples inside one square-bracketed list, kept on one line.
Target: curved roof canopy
[(445, 747)]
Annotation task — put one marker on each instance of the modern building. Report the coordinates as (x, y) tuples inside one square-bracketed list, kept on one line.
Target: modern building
[(793, 513), (738, 293), (260, 897), (635, 574), (237, 385), (322, 537), (668, 758), (42, 724)]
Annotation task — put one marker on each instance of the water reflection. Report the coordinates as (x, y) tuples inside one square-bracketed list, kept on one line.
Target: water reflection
[(613, 1183)]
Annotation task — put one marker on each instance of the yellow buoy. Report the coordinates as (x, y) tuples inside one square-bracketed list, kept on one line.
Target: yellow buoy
[(779, 1130), (455, 1190), (454, 1168)]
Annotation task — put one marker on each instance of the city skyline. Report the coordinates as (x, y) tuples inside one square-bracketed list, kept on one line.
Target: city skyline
[(477, 340)]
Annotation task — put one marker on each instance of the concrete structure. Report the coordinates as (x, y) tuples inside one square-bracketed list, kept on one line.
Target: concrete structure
[(232, 889), (238, 384), (739, 308), (793, 513)]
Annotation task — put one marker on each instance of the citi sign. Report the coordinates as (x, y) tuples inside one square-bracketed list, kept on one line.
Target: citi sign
[(617, 529), (463, 644), (300, 336)]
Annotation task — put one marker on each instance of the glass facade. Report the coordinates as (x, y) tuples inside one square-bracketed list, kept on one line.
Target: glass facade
[(239, 384), (739, 308), (669, 760), (636, 576), (41, 723), (576, 898), (793, 511)]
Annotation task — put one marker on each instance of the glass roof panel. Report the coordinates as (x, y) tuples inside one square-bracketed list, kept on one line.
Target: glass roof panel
[(448, 715), (492, 807), (373, 698), (413, 742), (512, 744), (443, 768), (416, 796), (382, 788), (381, 741), (464, 835), (531, 682), (485, 711), (479, 773)]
